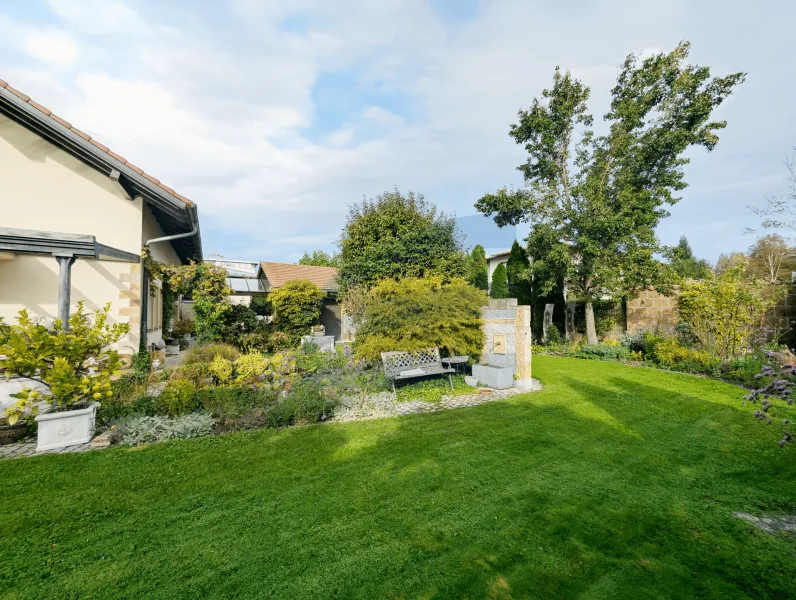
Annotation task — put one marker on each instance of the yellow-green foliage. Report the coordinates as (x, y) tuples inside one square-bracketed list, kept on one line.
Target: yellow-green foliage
[(177, 396), (414, 313), (670, 353), (725, 312), (250, 366), (221, 369), (297, 307), (75, 364), (207, 352)]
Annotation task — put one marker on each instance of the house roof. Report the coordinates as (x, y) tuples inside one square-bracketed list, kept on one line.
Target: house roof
[(498, 254), (175, 213), (280, 273)]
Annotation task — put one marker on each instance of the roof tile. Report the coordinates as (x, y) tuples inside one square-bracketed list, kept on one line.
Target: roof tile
[(121, 159), (98, 145), (3, 83), (167, 188), (152, 179), (43, 109), (17, 93), (85, 136), (66, 124), (134, 168), (280, 273)]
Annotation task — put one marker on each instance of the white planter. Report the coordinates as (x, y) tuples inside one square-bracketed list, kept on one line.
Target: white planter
[(66, 428), (470, 380)]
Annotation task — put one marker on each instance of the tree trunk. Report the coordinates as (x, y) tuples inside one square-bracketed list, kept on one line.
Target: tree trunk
[(591, 329)]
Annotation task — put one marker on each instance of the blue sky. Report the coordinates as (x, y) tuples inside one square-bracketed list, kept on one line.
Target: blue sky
[(276, 116)]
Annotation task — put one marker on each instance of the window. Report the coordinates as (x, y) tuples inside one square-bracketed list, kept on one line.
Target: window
[(154, 307)]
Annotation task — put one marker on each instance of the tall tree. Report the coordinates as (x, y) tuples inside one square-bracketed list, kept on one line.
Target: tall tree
[(686, 265), (397, 236), (319, 258), (500, 286), (518, 274), (593, 202), (771, 258), (730, 261), (478, 274)]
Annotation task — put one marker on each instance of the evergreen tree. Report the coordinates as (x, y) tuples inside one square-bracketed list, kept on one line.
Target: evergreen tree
[(517, 274), (477, 268), (686, 265), (500, 287)]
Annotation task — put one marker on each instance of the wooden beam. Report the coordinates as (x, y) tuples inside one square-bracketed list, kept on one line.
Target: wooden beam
[(65, 262)]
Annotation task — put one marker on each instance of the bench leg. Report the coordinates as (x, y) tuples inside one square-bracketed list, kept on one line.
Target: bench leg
[(394, 393), (450, 379)]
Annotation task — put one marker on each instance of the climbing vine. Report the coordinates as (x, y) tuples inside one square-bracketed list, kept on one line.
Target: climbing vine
[(207, 286)]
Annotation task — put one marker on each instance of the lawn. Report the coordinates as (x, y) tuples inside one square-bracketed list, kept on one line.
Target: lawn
[(613, 482)]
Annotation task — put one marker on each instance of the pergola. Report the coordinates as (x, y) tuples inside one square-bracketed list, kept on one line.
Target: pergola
[(66, 248)]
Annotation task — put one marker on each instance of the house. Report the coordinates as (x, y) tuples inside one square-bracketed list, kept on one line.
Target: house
[(248, 279), (74, 217)]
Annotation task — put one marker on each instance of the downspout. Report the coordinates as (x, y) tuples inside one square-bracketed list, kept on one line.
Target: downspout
[(145, 273)]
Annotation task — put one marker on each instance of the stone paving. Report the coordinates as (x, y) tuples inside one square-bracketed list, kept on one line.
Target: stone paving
[(28, 448), (451, 402)]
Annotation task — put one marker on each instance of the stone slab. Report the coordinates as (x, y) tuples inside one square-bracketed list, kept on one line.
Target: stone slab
[(496, 377)]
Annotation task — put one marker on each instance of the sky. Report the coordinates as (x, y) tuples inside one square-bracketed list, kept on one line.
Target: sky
[(274, 117)]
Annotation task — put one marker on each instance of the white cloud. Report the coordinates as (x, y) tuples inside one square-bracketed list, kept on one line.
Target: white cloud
[(52, 47)]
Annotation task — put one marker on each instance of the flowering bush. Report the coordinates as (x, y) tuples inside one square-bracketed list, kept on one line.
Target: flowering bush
[(76, 364), (773, 384)]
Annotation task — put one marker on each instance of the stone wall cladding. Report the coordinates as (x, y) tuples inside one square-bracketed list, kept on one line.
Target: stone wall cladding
[(130, 308), (505, 317), (651, 311)]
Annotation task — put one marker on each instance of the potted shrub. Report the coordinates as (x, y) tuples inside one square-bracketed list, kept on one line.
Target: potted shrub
[(69, 369)]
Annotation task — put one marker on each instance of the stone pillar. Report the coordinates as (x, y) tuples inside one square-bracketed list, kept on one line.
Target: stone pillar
[(507, 339), (570, 321), (548, 320), (522, 336)]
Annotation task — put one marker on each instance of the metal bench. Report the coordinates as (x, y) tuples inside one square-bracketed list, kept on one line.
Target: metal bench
[(416, 363)]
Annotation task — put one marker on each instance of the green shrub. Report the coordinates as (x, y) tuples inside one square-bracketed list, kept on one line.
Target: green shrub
[(297, 307), (207, 353), (183, 327), (603, 352), (554, 336), (261, 305), (412, 314), (177, 398), (305, 404), (725, 313), (146, 429), (669, 353), (230, 402)]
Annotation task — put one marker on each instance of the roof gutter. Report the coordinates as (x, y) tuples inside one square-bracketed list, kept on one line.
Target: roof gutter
[(168, 238)]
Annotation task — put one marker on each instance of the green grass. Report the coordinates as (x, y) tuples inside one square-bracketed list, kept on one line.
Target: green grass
[(432, 389), (613, 482)]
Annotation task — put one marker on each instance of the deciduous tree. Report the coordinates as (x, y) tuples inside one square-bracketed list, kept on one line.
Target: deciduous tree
[(594, 202), (397, 236)]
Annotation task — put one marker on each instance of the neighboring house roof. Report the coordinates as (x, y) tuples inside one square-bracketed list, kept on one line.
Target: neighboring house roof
[(280, 273), (175, 213), (498, 254)]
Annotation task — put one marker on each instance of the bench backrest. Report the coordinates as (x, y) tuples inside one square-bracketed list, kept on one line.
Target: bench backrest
[(395, 362)]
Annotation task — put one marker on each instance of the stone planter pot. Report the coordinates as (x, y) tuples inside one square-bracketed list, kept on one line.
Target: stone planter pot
[(10, 434), (470, 380), (66, 428)]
